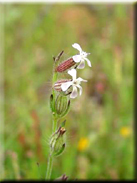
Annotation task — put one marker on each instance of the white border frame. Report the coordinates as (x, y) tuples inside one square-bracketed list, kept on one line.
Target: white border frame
[(1, 91), (70, 1)]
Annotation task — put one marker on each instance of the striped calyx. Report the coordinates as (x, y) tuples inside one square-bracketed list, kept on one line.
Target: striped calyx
[(61, 104), (57, 85), (65, 65), (57, 141)]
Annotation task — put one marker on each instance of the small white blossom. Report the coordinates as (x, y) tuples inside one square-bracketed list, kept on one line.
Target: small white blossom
[(81, 57), (75, 83)]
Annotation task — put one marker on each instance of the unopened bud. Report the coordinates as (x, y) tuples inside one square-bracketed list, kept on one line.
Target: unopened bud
[(62, 177), (57, 142), (62, 130), (65, 65), (61, 104)]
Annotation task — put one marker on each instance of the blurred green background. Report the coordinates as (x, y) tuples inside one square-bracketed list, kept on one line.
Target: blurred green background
[(99, 125)]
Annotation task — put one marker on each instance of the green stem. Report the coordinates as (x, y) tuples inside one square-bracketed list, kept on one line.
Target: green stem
[(54, 124), (54, 77), (49, 167), (50, 160)]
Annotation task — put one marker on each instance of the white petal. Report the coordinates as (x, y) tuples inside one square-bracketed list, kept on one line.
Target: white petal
[(74, 92), (88, 53), (73, 73), (80, 89), (81, 65), (77, 46), (80, 79), (66, 85), (76, 58), (88, 62)]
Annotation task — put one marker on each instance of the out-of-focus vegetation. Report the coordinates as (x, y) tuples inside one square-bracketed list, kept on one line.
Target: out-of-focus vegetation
[(100, 122)]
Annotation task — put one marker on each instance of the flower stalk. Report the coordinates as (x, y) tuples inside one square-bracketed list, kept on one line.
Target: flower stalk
[(54, 122), (49, 167), (62, 91)]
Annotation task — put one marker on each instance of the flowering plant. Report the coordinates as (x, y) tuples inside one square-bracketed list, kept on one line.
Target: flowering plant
[(75, 83), (62, 91), (81, 57)]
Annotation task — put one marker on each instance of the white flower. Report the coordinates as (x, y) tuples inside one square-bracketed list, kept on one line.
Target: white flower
[(75, 83), (81, 57)]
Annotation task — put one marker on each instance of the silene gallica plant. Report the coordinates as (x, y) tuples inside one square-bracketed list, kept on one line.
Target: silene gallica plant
[(63, 90)]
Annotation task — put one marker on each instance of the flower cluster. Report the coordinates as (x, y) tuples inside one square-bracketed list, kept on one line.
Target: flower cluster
[(71, 86), (60, 101)]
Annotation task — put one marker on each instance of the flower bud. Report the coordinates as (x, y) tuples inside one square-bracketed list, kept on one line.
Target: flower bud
[(62, 178), (65, 65), (57, 142), (62, 105)]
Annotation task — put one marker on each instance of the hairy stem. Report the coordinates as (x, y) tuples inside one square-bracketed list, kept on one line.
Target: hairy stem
[(54, 124), (49, 167)]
